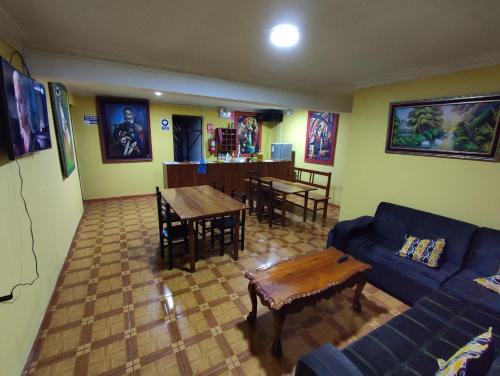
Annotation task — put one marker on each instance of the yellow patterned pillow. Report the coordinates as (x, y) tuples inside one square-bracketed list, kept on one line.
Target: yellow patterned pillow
[(426, 251), (493, 282), (461, 363)]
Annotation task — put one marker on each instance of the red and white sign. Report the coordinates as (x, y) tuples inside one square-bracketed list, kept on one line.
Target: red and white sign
[(210, 128)]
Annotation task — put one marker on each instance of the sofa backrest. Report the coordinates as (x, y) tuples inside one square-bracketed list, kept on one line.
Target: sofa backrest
[(485, 252), (395, 221)]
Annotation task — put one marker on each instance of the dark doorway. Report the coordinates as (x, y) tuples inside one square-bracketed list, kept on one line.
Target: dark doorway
[(188, 146)]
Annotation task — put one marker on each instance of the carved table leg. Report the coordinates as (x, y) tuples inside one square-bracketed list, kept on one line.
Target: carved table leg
[(279, 321), (356, 305), (252, 316)]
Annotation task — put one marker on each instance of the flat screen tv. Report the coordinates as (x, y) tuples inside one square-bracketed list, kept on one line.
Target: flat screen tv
[(23, 111)]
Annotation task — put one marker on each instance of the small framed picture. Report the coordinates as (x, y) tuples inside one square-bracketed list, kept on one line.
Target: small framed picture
[(124, 130)]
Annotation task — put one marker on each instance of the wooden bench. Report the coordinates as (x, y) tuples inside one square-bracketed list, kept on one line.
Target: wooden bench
[(310, 177)]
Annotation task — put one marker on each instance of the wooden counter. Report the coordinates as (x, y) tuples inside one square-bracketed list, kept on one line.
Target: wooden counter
[(231, 175)]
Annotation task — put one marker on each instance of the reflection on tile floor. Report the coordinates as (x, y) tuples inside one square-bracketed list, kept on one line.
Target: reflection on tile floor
[(118, 310)]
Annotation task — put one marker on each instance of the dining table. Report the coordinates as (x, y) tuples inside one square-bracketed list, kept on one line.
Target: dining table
[(202, 202), (285, 188)]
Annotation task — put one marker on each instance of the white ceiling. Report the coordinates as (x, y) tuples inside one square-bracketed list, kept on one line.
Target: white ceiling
[(344, 44)]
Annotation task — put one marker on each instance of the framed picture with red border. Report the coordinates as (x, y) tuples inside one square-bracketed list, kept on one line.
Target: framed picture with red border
[(249, 131), (321, 137)]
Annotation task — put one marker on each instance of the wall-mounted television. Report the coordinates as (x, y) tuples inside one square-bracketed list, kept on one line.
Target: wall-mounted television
[(23, 112)]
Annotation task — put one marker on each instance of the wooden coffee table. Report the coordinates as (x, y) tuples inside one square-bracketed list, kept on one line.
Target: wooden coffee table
[(291, 285)]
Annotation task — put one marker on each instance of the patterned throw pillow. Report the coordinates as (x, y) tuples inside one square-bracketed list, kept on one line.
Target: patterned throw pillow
[(472, 359), (493, 282), (426, 251)]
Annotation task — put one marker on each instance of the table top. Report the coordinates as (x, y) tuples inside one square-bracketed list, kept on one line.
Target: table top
[(288, 187), (200, 202), (306, 275)]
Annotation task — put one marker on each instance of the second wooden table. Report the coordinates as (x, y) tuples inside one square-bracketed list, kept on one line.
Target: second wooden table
[(200, 202), (285, 188)]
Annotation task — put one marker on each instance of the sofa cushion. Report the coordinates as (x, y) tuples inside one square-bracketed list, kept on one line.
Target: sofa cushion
[(394, 221), (426, 251), (405, 279), (485, 252), (436, 327), (463, 284), (492, 283), (474, 358)]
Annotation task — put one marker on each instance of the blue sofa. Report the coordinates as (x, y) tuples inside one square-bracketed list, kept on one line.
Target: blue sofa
[(376, 240), (452, 310)]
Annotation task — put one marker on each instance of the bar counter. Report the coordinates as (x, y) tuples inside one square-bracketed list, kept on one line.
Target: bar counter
[(230, 174)]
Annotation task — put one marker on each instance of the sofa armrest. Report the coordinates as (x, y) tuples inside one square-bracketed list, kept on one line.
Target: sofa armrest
[(326, 360), (340, 234)]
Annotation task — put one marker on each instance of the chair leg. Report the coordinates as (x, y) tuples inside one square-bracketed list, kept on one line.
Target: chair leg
[(162, 248), (212, 235), (221, 241), (170, 255), (325, 209), (271, 216), (315, 210), (242, 237)]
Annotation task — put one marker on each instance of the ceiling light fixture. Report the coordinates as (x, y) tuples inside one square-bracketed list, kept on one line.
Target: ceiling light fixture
[(158, 93), (284, 35)]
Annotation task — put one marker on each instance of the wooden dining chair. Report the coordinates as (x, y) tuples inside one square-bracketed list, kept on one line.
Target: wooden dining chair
[(203, 222), (228, 223), (253, 176), (172, 229), (267, 202)]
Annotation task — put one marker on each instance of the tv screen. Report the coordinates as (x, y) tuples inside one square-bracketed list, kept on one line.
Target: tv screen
[(24, 112)]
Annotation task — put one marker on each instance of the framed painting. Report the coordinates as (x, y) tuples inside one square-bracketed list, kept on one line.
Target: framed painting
[(460, 127), (124, 130), (249, 131), (321, 137), (59, 100)]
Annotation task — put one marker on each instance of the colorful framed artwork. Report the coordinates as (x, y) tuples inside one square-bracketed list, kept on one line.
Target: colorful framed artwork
[(460, 127), (321, 137), (124, 130), (59, 100), (249, 131)]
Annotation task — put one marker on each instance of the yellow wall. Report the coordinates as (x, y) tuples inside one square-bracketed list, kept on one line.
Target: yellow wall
[(293, 130), (56, 207), (464, 189), (123, 179)]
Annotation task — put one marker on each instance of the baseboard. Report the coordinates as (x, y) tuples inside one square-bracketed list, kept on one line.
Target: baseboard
[(46, 317), (94, 200)]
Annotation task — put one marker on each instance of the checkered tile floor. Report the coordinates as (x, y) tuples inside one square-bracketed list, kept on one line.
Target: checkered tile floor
[(118, 310)]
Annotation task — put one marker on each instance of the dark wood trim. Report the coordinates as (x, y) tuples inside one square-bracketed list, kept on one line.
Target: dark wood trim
[(100, 101)]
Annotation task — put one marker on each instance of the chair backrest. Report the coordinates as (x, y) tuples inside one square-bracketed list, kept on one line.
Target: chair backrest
[(242, 197), (314, 178), (165, 215), (162, 209), (264, 189), (219, 187), (254, 173)]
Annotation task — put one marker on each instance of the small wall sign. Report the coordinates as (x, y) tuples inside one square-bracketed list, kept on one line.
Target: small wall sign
[(165, 125), (210, 128), (90, 119)]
